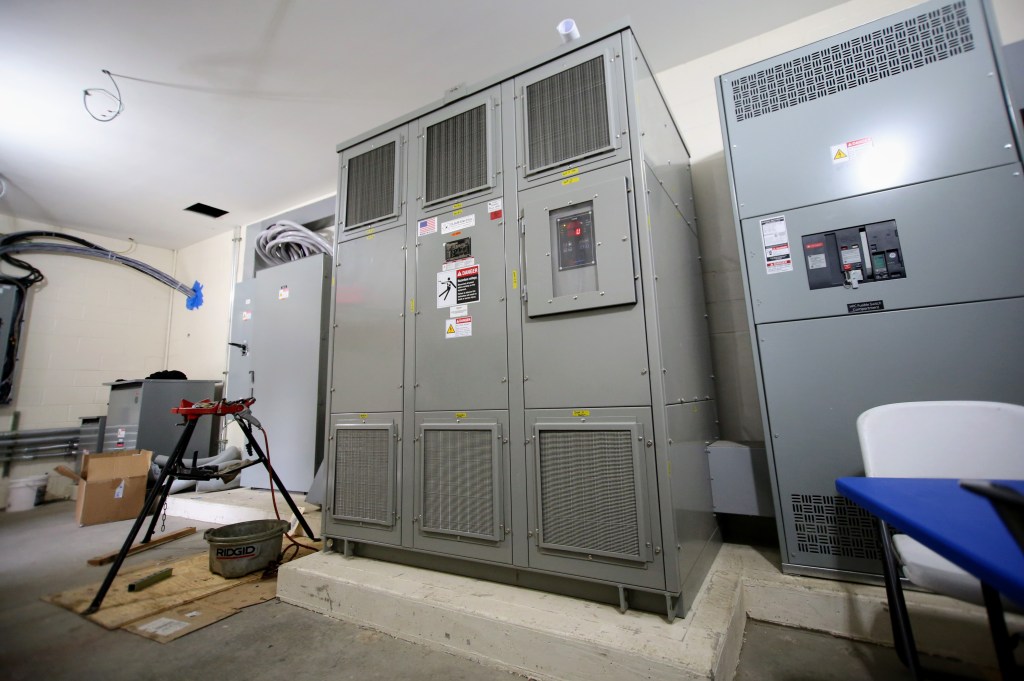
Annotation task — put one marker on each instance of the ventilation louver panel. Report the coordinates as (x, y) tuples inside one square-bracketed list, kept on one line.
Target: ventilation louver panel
[(371, 186), (362, 478), (588, 492), (889, 51), (456, 157), (831, 525), (459, 495), (567, 115)]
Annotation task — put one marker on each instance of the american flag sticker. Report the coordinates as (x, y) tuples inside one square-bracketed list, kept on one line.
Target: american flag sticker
[(428, 226)]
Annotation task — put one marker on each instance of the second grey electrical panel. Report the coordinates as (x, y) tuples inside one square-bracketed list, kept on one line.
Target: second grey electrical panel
[(877, 180)]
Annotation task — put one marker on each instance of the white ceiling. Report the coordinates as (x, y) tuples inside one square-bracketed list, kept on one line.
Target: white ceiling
[(239, 103)]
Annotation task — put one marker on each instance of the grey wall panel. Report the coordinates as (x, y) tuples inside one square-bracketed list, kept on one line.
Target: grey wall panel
[(690, 427), (369, 300), (562, 353), (961, 241), (289, 360), (664, 151), (456, 371), (239, 379), (816, 384), (783, 159), (139, 416), (679, 287)]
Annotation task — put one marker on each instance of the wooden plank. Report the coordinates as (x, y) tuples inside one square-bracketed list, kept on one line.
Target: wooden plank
[(138, 548), (191, 581)]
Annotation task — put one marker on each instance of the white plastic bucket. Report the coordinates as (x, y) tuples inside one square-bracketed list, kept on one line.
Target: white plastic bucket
[(24, 493)]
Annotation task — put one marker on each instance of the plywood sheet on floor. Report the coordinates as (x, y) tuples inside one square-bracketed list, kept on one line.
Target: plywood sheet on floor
[(191, 580)]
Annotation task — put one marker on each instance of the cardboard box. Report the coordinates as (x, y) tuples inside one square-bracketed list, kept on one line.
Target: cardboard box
[(113, 486)]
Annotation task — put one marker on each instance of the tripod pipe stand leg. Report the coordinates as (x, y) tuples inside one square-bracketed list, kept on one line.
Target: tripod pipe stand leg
[(154, 494)]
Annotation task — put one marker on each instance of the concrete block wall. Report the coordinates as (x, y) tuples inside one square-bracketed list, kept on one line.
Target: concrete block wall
[(690, 91), (90, 322)]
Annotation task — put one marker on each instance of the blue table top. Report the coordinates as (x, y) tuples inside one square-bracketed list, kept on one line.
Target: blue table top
[(959, 525)]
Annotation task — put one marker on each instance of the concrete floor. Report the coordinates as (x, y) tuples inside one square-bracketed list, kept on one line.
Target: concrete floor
[(43, 551)]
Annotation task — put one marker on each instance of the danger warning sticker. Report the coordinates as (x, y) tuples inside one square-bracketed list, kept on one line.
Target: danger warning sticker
[(458, 287), (842, 153), (775, 237), (458, 327)]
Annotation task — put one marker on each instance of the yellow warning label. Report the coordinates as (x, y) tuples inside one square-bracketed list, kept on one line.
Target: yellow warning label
[(457, 205), (460, 414), (412, 305), (570, 171), (581, 412), (571, 180), (840, 154), (457, 212), (451, 329), (515, 279), (364, 416)]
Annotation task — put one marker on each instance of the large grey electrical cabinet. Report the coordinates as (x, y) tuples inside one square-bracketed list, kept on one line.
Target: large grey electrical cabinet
[(279, 352), (521, 387), (877, 185)]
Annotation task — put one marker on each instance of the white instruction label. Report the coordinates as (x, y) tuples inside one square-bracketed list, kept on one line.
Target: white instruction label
[(119, 492), (459, 264), (494, 209), (458, 327), (775, 237), (163, 626), (457, 224), (459, 310), (816, 262)]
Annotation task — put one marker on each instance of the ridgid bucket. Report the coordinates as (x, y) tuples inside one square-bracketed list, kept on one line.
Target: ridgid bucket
[(241, 548)]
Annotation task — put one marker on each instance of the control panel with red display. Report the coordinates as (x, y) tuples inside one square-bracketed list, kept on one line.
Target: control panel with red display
[(575, 240)]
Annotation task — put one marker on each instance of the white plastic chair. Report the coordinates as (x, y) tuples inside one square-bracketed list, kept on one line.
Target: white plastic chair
[(973, 440)]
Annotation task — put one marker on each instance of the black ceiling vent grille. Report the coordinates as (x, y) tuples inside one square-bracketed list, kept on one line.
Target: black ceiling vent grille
[(567, 116), (889, 51), (371, 186), (456, 157), (203, 209)]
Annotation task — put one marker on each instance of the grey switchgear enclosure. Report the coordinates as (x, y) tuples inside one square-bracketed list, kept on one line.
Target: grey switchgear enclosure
[(520, 370), (877, 184)]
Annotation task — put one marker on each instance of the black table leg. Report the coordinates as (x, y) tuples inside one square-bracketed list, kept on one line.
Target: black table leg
[(1000, 636), (902, 634)]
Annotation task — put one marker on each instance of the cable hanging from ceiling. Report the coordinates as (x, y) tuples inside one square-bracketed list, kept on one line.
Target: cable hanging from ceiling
[(285, 241), (112, 110)]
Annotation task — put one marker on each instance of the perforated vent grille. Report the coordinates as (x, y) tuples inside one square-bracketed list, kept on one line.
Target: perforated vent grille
[(567, 115), (588, 491), (457, 155), (889, 51), (371, 186), (458, 482), (831, 525), (362, 475)]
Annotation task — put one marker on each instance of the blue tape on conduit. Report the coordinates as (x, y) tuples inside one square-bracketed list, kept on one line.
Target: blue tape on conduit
[(196, 299)]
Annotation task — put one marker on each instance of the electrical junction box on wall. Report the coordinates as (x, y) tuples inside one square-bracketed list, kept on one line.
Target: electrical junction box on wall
[(880, 235), (520, 366)]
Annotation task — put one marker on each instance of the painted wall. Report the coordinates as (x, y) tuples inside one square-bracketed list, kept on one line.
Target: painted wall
[(90, 322), (690, 91)]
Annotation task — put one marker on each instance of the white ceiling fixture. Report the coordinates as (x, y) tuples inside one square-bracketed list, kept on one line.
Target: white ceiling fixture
[(239, 103)]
